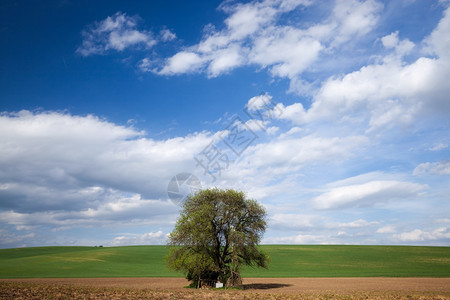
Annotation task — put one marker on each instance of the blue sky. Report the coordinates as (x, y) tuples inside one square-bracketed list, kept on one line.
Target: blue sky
[(334, 115)]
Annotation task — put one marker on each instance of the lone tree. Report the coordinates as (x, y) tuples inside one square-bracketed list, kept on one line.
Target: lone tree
[(217, 232)]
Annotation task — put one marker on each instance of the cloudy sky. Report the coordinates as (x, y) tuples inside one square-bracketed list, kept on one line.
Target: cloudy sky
[(332, 114)]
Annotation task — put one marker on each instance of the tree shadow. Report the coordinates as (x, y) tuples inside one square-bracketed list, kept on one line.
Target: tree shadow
[(264, 286)]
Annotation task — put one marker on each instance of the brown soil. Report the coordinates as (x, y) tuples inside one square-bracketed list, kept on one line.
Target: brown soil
[(257, 288)]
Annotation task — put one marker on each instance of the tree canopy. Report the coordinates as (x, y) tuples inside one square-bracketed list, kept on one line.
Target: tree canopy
[(217, 232)]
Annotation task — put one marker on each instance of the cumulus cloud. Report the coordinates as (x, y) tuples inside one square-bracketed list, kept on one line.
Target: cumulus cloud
[(122, 213), (260, 102), (390, 92), (281, 49), (182, 62), (386, 94), (438, 147), (434, 168), (419, 235), (167, 35), (357, 224), (65, 171), (438, 42), (149, 238), (383, 94), (328, 237), (285, 155), (401, 47), (379, 95), (269, 169), (254, 34), (367, 194), (62, 171), (116, 32), (386, 229), (290, 221), (355, 18), (299, 239), (295, 113)]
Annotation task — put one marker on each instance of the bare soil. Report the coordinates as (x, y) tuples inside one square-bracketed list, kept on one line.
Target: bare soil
[(254, 288)]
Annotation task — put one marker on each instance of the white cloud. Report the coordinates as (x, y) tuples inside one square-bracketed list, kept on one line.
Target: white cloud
[(259, 102), (435, 168), (419, 235), (280, 48), (182, 62), (167, 35), (438, 147), (298, 239), (384, 94), (355, 18), (223, 60), (270, 169), (309, 239), (357, 224), (150, 238), (116, 32), (290, 221), (10, 239), (254, 125), (246, 19), (145, 65), (52, 160), (401, 47), (63, 171), (289, 154), (254, 34), (386, 229), (294, 113), (368, 194), (439, 42), (387, 93), (111, 211), (329, 237), (272, 130)]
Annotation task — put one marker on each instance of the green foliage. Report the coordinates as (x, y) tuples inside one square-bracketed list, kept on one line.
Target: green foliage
[(197, 264), (217, 232)]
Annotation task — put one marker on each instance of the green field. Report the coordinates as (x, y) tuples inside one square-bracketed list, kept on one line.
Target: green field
[(286, 261)]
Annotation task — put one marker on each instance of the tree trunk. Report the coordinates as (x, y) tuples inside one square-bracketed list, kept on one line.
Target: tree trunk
[(235, 280)]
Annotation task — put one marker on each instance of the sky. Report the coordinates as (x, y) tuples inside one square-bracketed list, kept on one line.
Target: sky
[(334, 115)]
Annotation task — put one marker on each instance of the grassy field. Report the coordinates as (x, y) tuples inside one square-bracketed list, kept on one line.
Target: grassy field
[(287, 261)]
